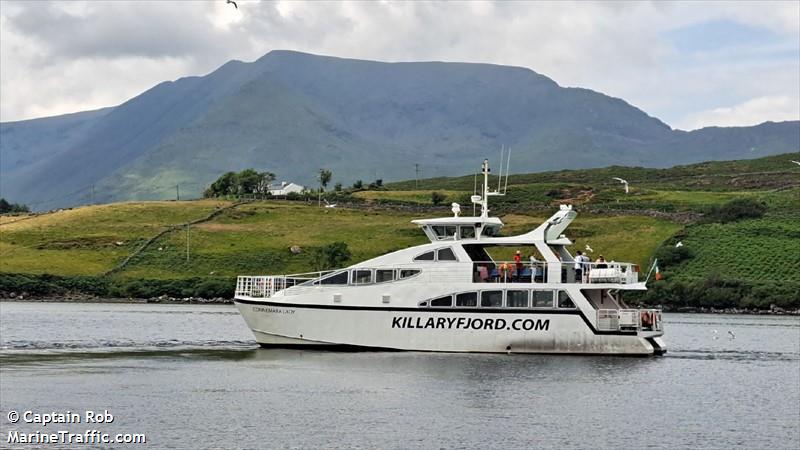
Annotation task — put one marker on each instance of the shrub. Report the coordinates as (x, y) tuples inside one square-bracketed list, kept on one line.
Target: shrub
[(738, 209), (437, 198), (670, 255)]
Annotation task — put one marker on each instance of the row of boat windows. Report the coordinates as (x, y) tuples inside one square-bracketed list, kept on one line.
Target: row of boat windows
[(367, 276), (442, 254), (448, 232), (511, 298)]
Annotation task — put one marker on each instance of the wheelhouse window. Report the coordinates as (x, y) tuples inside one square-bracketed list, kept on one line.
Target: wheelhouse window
[(564, 301), (408, 273), (542, 299), (445, 254), (517, 299), (427, 256), (467, 299), (337, 278), (444, 232), (384, 275), (467, 232), (492, 299), (362, 276), (443, 301)]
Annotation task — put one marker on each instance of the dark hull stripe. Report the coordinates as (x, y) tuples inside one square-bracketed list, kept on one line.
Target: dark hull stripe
[(571, 312)]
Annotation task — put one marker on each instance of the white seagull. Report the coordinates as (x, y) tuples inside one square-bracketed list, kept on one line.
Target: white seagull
[(589, 249), (733, 336), (679, 244), (625, 182), (796, 162), (330, 205)]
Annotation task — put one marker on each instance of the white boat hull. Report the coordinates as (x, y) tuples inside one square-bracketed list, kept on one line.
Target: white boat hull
[(498, 331)]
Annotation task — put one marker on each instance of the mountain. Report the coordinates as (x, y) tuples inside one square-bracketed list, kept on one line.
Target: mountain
[(292, 113)]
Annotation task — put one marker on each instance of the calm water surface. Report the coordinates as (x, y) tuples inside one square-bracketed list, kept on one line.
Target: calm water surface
[(191, 376)]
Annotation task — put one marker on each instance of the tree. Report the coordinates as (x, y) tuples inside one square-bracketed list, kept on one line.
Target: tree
[(358, 184), (225, 185), (7, 207), (248, 181), (337, 187), (324, 178), (437, 198), (266, 178)]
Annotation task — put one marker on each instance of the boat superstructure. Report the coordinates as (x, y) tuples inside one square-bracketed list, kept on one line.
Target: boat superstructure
[(461, 292)]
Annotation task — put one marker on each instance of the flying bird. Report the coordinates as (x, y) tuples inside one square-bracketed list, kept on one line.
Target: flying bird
[(733, 336), (329, 205), (589, 249), (796, 162), (625, 182), (232, 3), (679, 244)]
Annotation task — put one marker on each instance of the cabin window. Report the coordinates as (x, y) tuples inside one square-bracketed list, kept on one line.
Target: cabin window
[(427, 256), (468, 299), (445, 254), (338, 278), (423, 304), (564, 301), (442, 301), (443, 232), (542, 299), (362, 276), (467, 232), (407, 273), (490, 231), (492, 299), (384, 275), (517, 299)]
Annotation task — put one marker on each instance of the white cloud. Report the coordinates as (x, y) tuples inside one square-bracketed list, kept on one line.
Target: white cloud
[(61, 57), (751, 112)]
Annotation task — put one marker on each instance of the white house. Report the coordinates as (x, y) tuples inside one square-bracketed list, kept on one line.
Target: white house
[(285, 188)]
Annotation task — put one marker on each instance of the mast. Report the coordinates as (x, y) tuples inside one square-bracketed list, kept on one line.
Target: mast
[(485, 200)]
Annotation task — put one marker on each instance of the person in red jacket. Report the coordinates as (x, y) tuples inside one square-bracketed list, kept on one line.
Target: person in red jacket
[(518, 263)]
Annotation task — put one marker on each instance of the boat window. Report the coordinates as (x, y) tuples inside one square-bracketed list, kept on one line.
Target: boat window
[(443, 301), (517, 299), (490, 231), (337, 278), (443, 232), (445, 254), (407, 273), (362, 276), (467, 299), (383, 275), (467, 232), (423, 304), (427, 256), (492, 299), (542, 299), (564, 301)]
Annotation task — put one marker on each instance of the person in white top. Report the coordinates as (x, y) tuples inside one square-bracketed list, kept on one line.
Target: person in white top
[(580, 265)]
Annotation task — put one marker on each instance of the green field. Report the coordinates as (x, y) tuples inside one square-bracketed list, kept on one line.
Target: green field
[(255, 238)]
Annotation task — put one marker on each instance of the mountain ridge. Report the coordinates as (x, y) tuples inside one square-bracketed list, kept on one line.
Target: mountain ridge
[(291, 113)]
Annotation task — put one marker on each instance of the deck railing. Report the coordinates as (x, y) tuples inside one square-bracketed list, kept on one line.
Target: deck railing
[(527, 272), (629, 320), (267, 285)]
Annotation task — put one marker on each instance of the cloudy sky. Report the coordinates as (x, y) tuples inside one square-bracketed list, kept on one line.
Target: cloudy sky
[(690, 64)]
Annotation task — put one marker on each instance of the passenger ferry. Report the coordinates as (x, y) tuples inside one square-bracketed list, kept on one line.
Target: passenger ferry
[(451, 295)]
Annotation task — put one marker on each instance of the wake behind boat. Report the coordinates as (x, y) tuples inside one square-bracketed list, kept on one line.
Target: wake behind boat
[(451, 295)]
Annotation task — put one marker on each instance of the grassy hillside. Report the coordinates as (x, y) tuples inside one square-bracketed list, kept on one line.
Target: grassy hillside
[(255, 238), (744, 261)]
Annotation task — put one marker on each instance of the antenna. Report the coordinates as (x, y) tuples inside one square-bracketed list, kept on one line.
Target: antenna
[(474, 192), (500, 175), (508, 169)]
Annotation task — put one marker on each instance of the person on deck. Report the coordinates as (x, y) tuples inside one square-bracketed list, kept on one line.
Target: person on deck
[(518, 263), (580, 262), (601, 263)]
